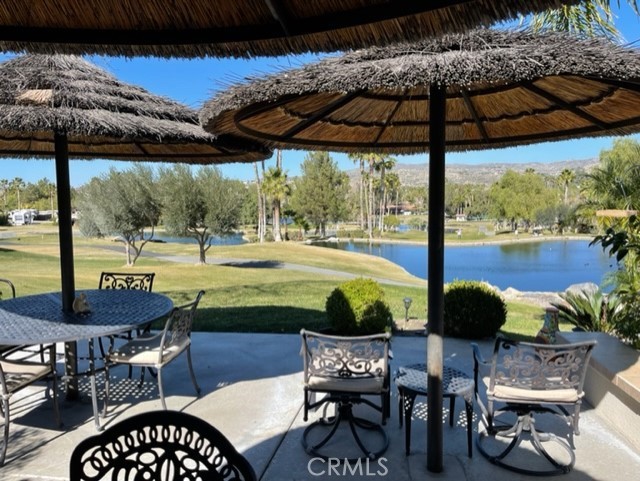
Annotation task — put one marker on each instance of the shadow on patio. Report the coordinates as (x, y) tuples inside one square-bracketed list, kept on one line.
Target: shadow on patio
[(252, 392)]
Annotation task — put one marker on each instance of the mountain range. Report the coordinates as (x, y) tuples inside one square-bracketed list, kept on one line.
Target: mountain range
[(418, 174)]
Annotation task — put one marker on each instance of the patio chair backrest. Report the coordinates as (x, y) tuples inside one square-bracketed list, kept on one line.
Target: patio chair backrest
[(345, 357), (127, 280), (177, 329), (160, 446), (539, 367)]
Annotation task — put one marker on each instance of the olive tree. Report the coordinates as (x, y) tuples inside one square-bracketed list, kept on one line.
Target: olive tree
[(122, 204), (201, 205)]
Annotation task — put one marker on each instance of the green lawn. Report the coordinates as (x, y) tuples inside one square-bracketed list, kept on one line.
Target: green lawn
[(257, 298)]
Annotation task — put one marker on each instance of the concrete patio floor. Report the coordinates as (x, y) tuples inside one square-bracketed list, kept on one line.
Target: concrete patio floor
[(252, 392)]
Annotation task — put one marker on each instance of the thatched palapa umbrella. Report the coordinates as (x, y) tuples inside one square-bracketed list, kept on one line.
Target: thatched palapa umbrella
[(66, 107), (198, 28), (485, 89)]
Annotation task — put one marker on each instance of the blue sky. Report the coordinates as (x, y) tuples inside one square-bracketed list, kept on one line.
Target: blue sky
[(194, 81)]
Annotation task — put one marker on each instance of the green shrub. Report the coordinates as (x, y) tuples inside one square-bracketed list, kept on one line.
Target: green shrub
[(4, 219), (357, 307), (472, 310)]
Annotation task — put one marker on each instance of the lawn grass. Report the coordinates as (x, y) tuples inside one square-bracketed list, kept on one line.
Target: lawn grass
[(250, 298)]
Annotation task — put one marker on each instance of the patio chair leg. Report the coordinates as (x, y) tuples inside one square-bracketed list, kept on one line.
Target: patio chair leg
[(164, 404), (3, 449), (56, 405), (106, 391), (526, 424), (191, 373), (452, 408), (94, 402), (344, 412), (94, 389)]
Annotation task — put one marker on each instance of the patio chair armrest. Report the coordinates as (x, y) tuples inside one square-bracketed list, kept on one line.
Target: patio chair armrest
[(478, 358), (479, 364)]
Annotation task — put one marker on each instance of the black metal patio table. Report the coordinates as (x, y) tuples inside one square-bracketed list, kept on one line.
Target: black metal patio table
[(411, 381), (39, 319)]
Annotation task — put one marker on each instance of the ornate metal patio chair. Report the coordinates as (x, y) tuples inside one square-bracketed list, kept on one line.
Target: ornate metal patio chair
[(158, 350), (159, 446), (526, 379), (345, 369), (12, 288), (126, 280), (27, 351), (17, 374)]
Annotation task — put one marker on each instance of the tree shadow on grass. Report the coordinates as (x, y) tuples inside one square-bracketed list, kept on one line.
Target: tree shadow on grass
[(271, 319), (254, 264)]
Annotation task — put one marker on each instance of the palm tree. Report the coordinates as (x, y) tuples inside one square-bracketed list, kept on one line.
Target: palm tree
[(275, 186), (615, 183), (392, 187), (52, 193), (261, 204), (566, 177), (359, 159), (371, 160), (382, 165), (18, 184), (589, 17), (4, 185)]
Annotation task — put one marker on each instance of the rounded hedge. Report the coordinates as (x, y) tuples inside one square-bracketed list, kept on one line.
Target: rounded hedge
[(473, 310), (357, 307)]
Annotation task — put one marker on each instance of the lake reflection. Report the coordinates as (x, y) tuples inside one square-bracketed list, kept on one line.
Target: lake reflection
[(526, 266)]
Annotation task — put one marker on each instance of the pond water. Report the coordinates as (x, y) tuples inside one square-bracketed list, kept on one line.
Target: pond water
[(526, 266), (232, 239)]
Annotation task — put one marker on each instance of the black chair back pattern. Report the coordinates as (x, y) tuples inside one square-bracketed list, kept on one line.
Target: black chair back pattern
[(159, 446), (119, 280)]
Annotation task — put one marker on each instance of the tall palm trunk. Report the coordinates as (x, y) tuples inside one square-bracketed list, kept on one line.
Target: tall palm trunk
[(362, 203), (277, 235), (370, 202), (261, 222), (383, 202), (263, 203)]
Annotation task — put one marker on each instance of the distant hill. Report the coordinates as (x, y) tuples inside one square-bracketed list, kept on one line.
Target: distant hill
[(418, 175)]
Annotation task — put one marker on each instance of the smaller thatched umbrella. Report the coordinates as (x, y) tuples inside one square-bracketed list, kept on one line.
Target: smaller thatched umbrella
[(486, 89), (240, 28), (64, 106)]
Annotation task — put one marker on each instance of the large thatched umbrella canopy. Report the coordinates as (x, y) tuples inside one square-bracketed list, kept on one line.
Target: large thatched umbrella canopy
[(485, 89), (64, 106), (239, 28), (502, 89), (41, 95)]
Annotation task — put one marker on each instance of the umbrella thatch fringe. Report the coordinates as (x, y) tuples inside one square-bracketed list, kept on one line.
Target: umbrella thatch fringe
[(232, 28)]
